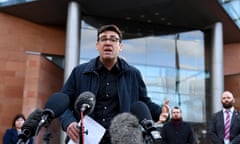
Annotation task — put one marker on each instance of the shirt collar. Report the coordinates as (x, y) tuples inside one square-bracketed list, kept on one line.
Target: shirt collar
[(230, 110), (99, 65)]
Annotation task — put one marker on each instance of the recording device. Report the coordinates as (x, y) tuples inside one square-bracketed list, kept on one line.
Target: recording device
[(29, 126), (125, 129), (54, 107), (85, 103), (150, 131)]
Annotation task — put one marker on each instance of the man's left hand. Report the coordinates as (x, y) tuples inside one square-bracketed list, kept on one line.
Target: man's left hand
[(165, 112)]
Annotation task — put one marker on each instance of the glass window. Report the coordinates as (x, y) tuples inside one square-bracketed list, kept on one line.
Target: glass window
[(13, 2), (172, 67), (232, 7)]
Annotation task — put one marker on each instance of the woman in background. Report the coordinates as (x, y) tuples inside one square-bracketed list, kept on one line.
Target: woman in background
[(11, 135)]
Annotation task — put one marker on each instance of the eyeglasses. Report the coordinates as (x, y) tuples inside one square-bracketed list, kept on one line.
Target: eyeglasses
[(111, 39)]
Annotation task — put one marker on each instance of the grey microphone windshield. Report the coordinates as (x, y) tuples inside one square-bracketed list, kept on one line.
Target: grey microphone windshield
[(85, 103), (29, 126), (125, 129)]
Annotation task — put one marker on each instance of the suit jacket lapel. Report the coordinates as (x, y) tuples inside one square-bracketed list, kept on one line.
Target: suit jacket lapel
[(234, 116), (220, 117)]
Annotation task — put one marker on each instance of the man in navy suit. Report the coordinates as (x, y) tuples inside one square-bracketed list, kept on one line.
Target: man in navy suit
[(217, 132)]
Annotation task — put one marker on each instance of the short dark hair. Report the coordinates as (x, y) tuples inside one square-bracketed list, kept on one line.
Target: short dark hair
[(17, 116), (177, 107), (110, 27)]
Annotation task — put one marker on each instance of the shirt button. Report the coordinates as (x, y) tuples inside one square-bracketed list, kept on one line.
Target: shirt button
[(107, 83), (107, 95), (103, 120), (105, 108)]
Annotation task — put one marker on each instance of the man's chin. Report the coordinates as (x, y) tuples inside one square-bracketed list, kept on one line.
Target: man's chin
[(108, 57), (227, 106)]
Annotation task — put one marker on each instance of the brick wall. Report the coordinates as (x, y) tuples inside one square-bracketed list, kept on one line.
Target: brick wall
[(42, 79), (232, 71), (26, 80), (231, 59), (232, 83)]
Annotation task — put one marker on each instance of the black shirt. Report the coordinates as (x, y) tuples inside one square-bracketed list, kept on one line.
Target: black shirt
[(107, 100)]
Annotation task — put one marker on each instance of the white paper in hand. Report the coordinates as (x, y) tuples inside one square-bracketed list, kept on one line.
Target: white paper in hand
[(95, 131)]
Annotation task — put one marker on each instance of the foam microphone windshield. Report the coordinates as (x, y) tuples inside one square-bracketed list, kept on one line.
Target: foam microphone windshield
[(30, 125), (57, 104), (151, 134), (141, 111), (54, 107), (85, 103), (125, 129)]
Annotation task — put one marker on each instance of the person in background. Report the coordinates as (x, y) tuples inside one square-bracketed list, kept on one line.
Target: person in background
[(116, 85), (224, 125), (176, 131), (11, 135)]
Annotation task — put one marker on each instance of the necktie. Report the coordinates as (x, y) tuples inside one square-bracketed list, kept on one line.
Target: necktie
[(227, 125)]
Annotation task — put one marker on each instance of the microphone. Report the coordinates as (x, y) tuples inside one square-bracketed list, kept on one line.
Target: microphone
[(141, 111), (85, 103), (125, 129), (151, 134), (29, 126), (54, 107)]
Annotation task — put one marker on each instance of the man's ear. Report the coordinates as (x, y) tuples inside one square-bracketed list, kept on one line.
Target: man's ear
[(121, 46), (233, 100)]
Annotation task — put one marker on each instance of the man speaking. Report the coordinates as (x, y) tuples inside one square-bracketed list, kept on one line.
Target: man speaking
[(116, 85)]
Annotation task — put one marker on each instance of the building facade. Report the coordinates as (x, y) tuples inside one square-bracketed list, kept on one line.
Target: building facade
[(190, 67)]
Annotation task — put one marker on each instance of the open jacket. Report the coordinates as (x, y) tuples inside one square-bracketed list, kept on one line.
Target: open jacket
[(131, 88)]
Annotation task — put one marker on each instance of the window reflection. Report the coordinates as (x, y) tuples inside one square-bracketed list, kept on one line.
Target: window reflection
[(232, 7), (13, 2)]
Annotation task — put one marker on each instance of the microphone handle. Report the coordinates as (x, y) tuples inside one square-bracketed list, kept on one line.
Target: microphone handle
[(85, 107), (20, 141), (42, 123)]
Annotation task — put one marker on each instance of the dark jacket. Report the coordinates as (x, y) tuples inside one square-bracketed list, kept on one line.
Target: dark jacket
[(11, 137), (183, 134), (216, 128), (131, 88)]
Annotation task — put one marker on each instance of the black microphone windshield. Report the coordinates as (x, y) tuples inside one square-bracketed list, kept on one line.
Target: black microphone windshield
[(85, 103), (150, 134), (141, 111), (57, 104), (125, 129), (30, 125)]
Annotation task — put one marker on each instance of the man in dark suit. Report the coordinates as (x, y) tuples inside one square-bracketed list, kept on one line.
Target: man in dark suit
[(177, 131), (224, 126)]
